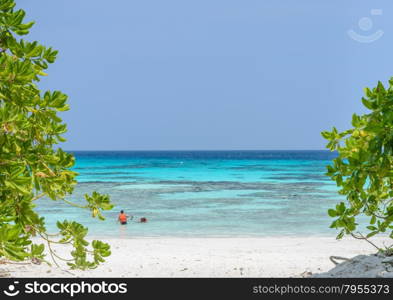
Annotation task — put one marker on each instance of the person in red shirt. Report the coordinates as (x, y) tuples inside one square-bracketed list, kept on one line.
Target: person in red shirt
[(122, 218)]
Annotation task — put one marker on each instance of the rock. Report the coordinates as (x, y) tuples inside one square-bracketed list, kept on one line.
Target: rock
[(388, 260), (389, 268), (361, 266), (306, 274), (385, 274), (388, 275)]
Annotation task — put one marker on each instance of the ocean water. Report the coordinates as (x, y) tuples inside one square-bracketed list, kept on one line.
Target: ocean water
[(204, 193)]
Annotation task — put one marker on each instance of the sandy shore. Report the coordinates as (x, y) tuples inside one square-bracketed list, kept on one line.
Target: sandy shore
[(209, 257)]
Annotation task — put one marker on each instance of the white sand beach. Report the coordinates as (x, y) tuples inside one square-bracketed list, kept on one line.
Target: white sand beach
[(209, 257)]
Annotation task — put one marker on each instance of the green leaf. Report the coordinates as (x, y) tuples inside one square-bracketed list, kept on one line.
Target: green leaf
[(340, 208), (368, 104), (372, 234), (332, 213)]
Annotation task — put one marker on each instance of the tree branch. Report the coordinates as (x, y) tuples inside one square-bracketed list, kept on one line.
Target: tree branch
[(362, 237)]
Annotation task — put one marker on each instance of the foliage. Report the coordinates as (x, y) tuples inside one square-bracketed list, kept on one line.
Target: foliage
[(32, 165), (363, 169)]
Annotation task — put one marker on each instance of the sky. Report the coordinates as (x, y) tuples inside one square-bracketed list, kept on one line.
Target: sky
[(211, 74)]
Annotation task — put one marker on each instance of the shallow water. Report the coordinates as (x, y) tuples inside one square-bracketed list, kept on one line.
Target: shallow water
[(205, 193)]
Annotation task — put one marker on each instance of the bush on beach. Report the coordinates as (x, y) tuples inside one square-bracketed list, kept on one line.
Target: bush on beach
[(32, 166), (363, 169)]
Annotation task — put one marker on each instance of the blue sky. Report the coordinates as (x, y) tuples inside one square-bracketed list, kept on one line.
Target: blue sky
[(210, 74)]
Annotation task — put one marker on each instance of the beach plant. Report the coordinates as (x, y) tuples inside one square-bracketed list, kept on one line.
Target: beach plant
[(32, 165), (363, 169)]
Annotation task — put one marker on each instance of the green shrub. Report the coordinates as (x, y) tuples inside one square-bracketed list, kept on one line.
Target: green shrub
[(32, 165), (363, 169)]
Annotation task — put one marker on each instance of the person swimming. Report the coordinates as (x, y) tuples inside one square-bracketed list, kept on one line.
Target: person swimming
[(122, 218)]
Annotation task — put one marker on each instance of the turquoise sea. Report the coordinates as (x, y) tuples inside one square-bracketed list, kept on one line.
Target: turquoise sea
[(204, 193)]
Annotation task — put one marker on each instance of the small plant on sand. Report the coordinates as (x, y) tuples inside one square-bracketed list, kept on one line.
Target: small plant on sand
[(32, 166), (363, 169)]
